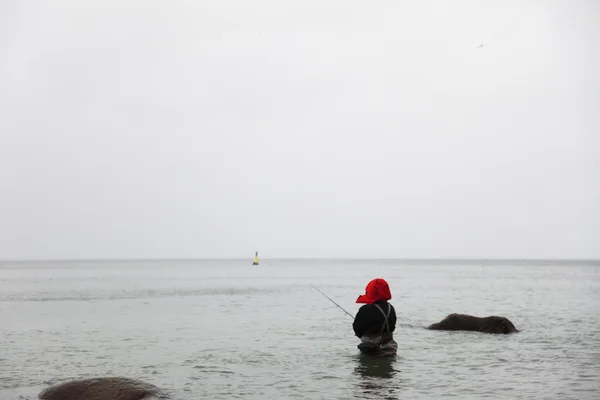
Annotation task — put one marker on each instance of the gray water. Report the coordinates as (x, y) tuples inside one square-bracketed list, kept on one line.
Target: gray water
[(227, 330)]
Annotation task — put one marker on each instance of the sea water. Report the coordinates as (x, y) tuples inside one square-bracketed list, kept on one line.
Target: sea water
[(224, 329)]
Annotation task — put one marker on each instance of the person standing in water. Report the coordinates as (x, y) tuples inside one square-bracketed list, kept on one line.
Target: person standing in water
[(375, 322)]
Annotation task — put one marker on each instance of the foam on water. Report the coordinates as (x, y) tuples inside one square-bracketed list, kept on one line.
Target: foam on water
[(225, 329)]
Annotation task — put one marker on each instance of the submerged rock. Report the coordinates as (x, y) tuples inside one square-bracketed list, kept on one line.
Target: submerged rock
[(463, 322), (105, 388)]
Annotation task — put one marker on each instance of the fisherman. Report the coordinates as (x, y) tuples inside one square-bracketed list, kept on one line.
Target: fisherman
[(375, 322)]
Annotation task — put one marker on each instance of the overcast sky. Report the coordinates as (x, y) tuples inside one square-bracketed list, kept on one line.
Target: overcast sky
[(299, 129)]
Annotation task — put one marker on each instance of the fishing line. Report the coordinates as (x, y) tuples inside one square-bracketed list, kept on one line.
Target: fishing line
[(328, 298)]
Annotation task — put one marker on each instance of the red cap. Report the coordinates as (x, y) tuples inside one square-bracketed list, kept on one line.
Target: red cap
[(377, 290)]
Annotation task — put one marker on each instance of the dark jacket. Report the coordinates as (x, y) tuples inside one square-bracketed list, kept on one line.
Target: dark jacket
[(369, 320)]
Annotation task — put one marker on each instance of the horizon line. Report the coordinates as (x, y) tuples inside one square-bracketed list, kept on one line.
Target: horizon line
[(469, 259)]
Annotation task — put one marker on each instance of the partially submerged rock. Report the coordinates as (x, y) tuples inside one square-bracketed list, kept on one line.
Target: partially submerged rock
[(105, 388), (463, 322)]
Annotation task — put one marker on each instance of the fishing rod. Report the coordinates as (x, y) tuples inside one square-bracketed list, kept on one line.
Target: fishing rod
[(340, 307)]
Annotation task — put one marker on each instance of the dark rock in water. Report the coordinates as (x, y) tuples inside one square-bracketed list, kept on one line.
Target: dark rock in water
[(463, 322), (105, 388)]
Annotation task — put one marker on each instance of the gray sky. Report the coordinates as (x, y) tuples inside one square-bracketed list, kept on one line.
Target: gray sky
[(306, 128)]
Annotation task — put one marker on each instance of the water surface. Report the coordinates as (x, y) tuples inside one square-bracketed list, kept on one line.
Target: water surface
[(228, 330)]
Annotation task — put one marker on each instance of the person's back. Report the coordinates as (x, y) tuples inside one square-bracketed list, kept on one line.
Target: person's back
[(375, 322), (370, 319)]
